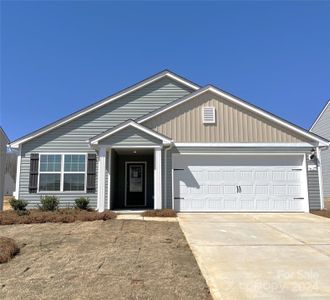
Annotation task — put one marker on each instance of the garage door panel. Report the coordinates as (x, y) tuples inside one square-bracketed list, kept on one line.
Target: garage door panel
[(246, 203), (262, 203), (215, 189), (261, 189), (200, 186), (246, 189), (229, 203), (229, 189)]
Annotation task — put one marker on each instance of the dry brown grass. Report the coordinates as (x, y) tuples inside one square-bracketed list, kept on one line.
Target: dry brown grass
[(322, 213), (8, 249), (168, 213), (60, 216)]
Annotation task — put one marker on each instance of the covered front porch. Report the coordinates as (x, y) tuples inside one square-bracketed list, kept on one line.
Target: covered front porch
[(129, 174)]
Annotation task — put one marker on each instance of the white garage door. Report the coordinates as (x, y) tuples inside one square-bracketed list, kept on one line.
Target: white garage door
[(238, 183)]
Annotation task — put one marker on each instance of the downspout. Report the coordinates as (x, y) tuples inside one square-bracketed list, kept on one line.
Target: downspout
[(165, 171)]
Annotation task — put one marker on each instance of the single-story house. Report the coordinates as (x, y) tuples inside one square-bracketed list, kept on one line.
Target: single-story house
[(3, 151), (167, 142), (321, 126)]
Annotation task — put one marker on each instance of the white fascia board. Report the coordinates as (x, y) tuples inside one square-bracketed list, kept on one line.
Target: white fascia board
[(239, 102), (135, 125), (244, 145), (16, 143), (320, 115)]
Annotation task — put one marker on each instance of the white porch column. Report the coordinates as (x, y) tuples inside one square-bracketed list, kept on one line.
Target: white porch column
[(158, 178), (101, 180)]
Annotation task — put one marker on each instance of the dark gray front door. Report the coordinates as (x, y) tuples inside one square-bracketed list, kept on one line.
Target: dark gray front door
[(135, 184)]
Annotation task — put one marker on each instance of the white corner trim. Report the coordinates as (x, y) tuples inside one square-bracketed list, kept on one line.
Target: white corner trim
[(105, 102), (244, 145), (305, 182), (101, 180), (320, 175), (157, 179), (320, 115), (18, 172), (109, 177), (95, 141), (242, 104)]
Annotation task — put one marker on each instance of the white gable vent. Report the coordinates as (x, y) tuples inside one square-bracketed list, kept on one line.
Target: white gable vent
[(208, 115)]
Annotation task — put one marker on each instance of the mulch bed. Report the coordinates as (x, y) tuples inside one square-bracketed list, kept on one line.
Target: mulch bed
[(60, 216), (167, 213), (8, 249), (322, 213)]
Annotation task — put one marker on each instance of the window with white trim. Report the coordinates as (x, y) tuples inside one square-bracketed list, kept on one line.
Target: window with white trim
[(208, 114), (62, 172)]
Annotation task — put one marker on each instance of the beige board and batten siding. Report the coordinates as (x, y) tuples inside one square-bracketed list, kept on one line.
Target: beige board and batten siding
[(234, 124)]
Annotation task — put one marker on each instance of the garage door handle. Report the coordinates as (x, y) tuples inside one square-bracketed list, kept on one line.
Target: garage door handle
[(298, 198), (178, 198)]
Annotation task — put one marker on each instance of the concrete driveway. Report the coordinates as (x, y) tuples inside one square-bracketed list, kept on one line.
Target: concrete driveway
[(261, 256)]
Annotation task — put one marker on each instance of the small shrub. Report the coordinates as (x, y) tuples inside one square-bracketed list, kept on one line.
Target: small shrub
[(8, 249), (82, 203), (18, 204), (49, 203), (167, 213)]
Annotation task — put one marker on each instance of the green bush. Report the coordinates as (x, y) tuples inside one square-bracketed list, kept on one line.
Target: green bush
[(49, 203), (82, 203), (18, 204)]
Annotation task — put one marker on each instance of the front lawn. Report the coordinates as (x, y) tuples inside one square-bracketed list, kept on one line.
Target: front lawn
[(114, 259)]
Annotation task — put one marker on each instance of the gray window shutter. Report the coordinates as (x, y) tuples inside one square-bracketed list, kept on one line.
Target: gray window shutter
[(34, 167), (91, 173)]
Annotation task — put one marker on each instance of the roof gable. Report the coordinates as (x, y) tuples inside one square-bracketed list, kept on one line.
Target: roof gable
[(325, 114), (280, 123), (98, 105), (122, 130)]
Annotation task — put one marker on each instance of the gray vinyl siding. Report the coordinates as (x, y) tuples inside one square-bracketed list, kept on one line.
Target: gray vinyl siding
[(167, 183), (322, 128), (313, 186), (73, 136), (130, 137)]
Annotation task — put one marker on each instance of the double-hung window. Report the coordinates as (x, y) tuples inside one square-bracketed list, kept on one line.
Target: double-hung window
[(62, 173)]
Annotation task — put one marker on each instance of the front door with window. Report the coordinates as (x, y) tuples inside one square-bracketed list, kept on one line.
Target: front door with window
[(135, 184)]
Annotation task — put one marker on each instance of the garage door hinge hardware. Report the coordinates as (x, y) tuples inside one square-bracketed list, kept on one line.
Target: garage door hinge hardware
[(298, 198), (296, 169), (178, 198), (178, 169)]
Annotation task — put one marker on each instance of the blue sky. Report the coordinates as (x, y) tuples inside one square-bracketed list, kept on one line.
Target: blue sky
[(58, 57)]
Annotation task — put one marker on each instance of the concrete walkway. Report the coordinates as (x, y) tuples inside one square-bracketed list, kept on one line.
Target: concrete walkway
[(261, 256)]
